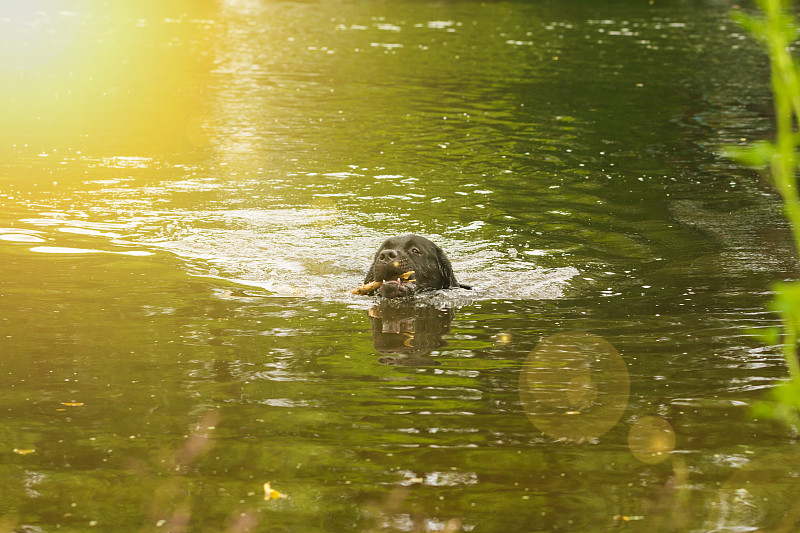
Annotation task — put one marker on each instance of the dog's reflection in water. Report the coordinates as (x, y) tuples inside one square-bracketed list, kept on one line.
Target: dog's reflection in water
[(408, 330)]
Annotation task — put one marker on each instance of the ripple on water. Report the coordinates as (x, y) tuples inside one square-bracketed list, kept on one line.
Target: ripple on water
[(322, 253), (65, 250), (20, 237)]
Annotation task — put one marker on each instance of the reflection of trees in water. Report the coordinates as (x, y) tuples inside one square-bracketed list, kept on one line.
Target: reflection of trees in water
[(761, 496)]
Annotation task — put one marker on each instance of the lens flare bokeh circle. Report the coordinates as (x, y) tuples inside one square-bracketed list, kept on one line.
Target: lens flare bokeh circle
[(574, 385)]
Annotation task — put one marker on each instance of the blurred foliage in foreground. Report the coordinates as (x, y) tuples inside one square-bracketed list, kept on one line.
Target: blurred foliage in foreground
[(777, 29)]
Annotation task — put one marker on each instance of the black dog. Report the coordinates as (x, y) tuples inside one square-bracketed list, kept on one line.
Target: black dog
[(398, 255)]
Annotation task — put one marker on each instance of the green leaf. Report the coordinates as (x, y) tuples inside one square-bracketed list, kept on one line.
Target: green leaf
[(757, 155), (763, 31), (788, 27), (763, 410), (755, 26), (782, 405), (786, 301), (770, 336)]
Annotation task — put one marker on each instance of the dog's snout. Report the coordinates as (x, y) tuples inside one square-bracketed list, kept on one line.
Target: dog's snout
[(387, 255)]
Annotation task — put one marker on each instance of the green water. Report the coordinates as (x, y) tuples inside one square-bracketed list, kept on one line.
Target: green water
[(188, 190)]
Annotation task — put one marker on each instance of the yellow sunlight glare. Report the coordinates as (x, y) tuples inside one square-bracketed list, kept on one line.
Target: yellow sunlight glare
[(118, 78)]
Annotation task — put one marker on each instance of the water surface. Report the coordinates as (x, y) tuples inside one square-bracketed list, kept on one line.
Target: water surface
[(189, 190)]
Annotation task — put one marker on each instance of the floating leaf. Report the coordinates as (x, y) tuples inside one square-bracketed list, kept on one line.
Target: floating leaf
[(271, 494), (625, 518), (72, 404), (22, 451)]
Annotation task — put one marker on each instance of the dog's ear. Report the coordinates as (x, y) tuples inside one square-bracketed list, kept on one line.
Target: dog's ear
[(446, 269)]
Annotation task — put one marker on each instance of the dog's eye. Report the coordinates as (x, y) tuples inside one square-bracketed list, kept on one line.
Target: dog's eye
[(416, 251)]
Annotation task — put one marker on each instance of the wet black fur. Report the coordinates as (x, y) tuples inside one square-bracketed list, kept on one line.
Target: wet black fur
[(397, 255)]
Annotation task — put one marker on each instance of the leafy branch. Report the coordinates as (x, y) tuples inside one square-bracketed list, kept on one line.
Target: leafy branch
[(776, 29)]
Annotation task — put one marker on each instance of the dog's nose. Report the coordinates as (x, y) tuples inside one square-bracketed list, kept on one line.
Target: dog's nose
[(387, 255)]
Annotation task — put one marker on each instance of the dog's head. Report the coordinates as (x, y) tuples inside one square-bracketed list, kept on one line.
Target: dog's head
[(398, 255)]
